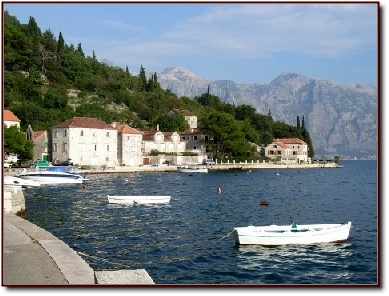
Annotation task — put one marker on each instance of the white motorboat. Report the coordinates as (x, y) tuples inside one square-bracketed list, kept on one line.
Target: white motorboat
[(53, 175), (186, 169), (274, 235), (15, 181), (138, 199)]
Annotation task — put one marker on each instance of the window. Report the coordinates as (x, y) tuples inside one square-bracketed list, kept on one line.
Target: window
[(65, 147), (55, 134), (95, 147), (82, 133), (107, 147), (195, 138), (107, 134), (65, 133), (54, 147)]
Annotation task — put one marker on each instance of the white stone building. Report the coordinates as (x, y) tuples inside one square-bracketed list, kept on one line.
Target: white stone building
[(129, 146), (165, 142), (85, 141), (291, 150)]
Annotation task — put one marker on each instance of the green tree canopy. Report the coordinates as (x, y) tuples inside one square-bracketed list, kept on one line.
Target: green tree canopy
[(16, 143)]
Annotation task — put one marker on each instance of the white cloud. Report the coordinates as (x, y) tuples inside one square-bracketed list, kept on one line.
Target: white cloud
[(262, 30)]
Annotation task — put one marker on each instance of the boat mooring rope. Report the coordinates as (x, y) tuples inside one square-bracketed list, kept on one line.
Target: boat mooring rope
[(101, 259), (225, 236), (363, 230)]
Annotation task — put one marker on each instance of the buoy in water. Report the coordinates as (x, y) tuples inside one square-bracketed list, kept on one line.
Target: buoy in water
[(264, 203), (83, 185), (219, 190)]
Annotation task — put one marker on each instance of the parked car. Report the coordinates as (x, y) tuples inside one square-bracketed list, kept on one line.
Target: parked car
[(22, 164), (64, 163), (208, 162), (7, 165), (40, 163)]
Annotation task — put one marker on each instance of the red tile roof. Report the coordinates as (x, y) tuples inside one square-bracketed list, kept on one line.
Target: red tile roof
[(84, 122), (38, 135), (9, 116), (285, 143), (125, 129)]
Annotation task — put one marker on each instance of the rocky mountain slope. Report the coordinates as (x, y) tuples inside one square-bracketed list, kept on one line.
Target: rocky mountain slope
[(341, 119)]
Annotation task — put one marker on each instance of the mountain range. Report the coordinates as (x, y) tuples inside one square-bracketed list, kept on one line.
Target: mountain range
[(341, 119)]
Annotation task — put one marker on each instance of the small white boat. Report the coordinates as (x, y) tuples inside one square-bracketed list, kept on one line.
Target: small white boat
[(138, 199), (274, 235), (186, 169), (15, 181), (53, 175)]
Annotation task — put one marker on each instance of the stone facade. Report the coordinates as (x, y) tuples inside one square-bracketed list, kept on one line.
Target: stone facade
[(292, 150), (85, 141), (129, 146), (165, 142), (41, 143)]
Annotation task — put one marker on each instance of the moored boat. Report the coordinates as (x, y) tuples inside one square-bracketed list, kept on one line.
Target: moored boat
[(53, 175), (186, 169), (274, 235), (15, 181), (138, 199)]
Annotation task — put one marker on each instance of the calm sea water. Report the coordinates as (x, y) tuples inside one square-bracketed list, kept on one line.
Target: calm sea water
[(187, 241)]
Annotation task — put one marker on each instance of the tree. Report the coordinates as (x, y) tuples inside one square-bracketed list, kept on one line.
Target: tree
[(298, 122), (16, 143), (142, 75), (79, 49), (60, 44), (229, 138), (176, 123)]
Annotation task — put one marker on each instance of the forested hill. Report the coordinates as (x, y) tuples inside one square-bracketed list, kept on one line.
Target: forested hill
[(47, 81)]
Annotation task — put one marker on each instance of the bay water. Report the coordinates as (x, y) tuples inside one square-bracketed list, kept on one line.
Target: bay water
[(188, 240)]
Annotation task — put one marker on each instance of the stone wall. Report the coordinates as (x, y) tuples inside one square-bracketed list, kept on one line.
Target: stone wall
[(14, 202)]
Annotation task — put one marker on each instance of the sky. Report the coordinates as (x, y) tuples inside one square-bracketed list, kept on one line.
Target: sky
[(246, 43)]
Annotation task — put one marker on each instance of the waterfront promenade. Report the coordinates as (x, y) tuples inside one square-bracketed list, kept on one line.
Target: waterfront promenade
[(34, 257)]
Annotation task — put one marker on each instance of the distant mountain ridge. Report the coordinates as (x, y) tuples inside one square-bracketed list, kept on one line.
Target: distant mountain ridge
[(341, 119)]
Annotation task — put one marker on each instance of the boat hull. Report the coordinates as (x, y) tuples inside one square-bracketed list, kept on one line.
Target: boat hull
[(274, 235), (138, 199), (15, 181), (192, 170), (53, 175)]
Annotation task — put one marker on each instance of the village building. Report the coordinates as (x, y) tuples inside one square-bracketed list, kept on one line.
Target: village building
[(129, 146), (10, 119), (41, 143), (85, 141), (164, 142), (292, 150)]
